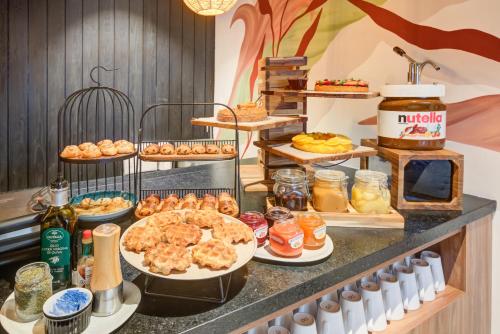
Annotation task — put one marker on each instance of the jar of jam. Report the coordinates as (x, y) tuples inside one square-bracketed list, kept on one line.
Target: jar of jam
[(412, 117), (286, 239), (330, 191), (277, 214), (291, 189), (370, 193), (258, 223), (314, 228)]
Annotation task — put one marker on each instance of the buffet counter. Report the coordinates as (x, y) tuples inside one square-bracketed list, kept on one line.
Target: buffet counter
[(260, 292)]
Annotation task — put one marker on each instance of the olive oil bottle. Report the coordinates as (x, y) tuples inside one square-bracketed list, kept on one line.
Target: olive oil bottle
[(57, 235)]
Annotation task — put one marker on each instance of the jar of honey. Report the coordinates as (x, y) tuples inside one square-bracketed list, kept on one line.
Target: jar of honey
[(291, 189), (258, 223), (277, 214), (314, 228), (370, 193), (330, 191), (286, 239)]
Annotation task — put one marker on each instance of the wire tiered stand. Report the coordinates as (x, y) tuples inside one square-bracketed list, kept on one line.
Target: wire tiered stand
[(93, 114), (223, 283)]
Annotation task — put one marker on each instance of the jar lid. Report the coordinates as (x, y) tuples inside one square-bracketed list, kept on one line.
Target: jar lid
[(367, 175), (330, 175), (408, 90), (290, 175)]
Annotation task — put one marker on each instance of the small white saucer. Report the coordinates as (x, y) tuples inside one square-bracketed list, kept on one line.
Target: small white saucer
[(265, 253), (131, 296)]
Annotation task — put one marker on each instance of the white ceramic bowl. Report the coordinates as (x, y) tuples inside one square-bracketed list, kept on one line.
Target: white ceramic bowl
[(68, 311)]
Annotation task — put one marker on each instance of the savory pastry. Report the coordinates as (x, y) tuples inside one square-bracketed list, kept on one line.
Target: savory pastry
[(108, 149), (71, 151), (121, 142), (214, 254), (151, 149), (232, 232), (183, 149), (198, 149), (84, 146), (101, 206), (166, 257), (162, 220), (148, 206), (204, 218), (326, 143), (105, 142), (141, 238), (245, 112), (227, 205), (167, 149), (209, 202), (228, 149), (92, 152), (182, 234), (169, 203), (153, 199), (190, 201), (341, 85), (125, 147), (212, 149)]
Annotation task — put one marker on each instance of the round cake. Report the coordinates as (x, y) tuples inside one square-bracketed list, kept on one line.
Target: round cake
[(246, 112), (326, 143), (341, 85)]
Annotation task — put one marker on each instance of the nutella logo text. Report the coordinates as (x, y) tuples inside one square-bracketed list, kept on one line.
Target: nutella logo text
[(431, 117)]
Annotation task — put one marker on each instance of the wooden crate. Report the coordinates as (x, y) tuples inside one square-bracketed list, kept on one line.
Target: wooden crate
[(399, 160)]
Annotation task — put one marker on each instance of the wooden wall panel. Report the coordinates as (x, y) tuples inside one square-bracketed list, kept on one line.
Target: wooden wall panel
[(163, 52)]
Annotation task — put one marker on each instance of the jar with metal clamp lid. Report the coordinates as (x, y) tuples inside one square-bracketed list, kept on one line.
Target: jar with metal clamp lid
[(370, 193), (291, 189)]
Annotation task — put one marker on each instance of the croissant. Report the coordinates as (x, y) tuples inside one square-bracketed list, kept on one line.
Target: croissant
[(190, 201), (228, 205), (209, 202)]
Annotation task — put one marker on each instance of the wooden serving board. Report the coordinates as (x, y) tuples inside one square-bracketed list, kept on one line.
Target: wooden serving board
[(102, 159), (271, 122), (352, 218), (188, 157), (286, 150), (314, 93)]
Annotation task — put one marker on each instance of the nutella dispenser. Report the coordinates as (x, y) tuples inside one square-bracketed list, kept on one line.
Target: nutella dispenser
[(412, 116), (106, 283)]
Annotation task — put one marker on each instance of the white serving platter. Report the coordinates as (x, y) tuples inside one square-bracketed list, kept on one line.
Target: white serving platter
[(245, 252), (131, 296), (265, 253)]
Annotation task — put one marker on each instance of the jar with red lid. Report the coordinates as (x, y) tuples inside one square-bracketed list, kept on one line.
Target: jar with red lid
[(277, 214), (258, 223), (286, 239)]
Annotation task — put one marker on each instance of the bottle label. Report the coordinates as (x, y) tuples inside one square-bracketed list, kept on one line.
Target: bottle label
[(297, 241), (320, 232), (261, 232), (422, 125), (55, 250)]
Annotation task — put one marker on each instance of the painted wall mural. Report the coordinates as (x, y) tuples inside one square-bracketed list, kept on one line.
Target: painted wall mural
[(309, 27)]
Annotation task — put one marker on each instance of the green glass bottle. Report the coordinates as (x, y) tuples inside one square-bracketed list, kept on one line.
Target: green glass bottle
[(57, 234)]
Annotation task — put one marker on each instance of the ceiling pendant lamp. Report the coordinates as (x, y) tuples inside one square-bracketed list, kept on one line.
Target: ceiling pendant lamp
[(210, 7)]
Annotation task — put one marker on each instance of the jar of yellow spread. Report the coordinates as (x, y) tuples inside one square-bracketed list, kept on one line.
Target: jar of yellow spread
[(370, 193), (330, 191)]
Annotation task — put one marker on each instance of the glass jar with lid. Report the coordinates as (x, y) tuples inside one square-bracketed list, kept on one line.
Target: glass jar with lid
[(33, 286), (314, 228), (370, 193), (330, 191), (291, 189), (277, 214)]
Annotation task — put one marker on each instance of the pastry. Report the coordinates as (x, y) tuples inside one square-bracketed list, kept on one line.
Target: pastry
[(198, 149), (341, 85), (183, 149), (151, 149), (108, 149), (90, 207), (125, 147), (204, 218), (141, 238), (84, 146), (162, 220), (92, 152), (169, 203), (182, 234), (190, 201), (214, 254), (228, 149), (148, 206), (122, 142), (227, 205), (153, 199), (167, 149), (245, 112), (71, 151), (326, 143), (212, 149), (165, 257), (209, 202), (105, 142), (232, 232)]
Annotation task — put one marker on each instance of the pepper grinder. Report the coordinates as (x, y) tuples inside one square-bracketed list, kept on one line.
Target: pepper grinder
[(107, 282)]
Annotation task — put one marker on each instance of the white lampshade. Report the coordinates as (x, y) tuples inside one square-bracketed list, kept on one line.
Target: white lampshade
[(210, 7)]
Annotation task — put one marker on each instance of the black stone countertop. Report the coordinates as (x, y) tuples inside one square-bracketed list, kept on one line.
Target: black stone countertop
[(259, 289)]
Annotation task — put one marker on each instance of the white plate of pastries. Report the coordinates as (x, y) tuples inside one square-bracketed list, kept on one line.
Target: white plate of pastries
[(102, 205), (187, 151), (105, 148), (188, 244)]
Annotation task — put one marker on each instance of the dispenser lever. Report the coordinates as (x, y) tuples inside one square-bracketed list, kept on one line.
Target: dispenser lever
[(415, 68)]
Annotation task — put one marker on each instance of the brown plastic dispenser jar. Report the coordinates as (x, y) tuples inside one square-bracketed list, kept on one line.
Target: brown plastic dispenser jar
[(412, 117)]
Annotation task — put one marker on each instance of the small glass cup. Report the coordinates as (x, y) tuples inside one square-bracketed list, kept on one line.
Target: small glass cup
[(33, 286)]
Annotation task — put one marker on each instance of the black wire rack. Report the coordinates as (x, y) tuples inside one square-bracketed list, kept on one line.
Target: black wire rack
[(90, 115), (165, 107)]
